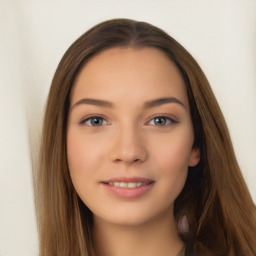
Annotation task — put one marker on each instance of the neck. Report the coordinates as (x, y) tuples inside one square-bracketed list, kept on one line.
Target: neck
[(156, 237)]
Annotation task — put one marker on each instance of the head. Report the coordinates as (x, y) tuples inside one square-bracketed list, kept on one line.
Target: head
[(208, 183)]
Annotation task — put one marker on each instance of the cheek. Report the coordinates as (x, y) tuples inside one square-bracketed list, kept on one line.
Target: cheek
[(172, 159), (83, 157), (174, 155), (173, 177)]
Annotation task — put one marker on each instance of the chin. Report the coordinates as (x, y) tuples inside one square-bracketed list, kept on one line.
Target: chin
[(133, 218), (128, 221)]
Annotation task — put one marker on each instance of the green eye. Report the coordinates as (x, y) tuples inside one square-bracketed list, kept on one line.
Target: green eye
[(161, 121), (94, 121)]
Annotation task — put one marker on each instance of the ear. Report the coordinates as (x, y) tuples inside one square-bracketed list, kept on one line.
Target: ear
[(194, 157)]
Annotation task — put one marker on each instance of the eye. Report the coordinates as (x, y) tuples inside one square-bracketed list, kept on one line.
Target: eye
[(161, 121), (95, 121)]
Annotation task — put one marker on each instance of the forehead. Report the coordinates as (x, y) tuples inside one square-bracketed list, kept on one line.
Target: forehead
[(120, 73)]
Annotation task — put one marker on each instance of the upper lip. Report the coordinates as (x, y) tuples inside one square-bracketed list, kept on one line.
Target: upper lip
[(129, 179)]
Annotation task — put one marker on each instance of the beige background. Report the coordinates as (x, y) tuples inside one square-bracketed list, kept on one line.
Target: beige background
[(34, 35)]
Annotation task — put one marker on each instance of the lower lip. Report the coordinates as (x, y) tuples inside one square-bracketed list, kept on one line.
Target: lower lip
[(129, 192)]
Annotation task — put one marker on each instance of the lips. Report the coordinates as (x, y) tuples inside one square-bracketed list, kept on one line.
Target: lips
[(126, 184), (131, 187)]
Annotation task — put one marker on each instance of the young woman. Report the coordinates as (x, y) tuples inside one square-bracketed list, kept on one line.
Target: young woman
[(136, 157)]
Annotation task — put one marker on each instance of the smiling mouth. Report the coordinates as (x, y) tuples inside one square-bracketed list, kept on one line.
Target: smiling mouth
[(130, 188), (126, 184)]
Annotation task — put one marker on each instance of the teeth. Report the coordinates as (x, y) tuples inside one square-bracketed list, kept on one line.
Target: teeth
[(117, 184), (123, 185), (139, 184), (126, 184), (132, 185)]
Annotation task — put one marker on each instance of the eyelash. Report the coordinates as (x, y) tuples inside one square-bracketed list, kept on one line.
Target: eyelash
[(90, 118), (167, 120)]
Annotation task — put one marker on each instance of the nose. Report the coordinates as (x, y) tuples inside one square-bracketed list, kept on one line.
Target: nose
[(128, 147)]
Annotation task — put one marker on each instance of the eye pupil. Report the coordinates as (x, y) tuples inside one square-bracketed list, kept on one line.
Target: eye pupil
[(160, 121), (96, 121)]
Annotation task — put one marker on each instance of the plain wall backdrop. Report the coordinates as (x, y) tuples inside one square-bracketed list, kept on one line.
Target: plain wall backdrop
[(34, 35)]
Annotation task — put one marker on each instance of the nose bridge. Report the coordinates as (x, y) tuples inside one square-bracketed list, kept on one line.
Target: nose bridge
[(128, 145)]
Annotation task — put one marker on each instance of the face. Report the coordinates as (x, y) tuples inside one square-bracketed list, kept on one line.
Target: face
[(130, 135)]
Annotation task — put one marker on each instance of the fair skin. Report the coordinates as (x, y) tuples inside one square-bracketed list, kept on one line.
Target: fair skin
[(129, 145)]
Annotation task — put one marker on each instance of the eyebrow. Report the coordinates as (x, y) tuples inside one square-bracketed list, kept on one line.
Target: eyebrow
[(162, 101), (148, 104), (100, 103)]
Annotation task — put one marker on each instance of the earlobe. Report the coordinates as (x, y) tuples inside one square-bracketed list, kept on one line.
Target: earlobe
[(194, 157)]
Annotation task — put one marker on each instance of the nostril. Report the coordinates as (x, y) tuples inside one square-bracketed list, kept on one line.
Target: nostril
[(121, 160), (128, 155)]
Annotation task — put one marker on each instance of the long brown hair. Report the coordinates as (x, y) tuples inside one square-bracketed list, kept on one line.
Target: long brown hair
[(215, 198)]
